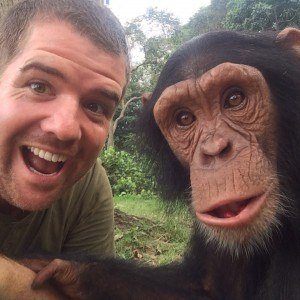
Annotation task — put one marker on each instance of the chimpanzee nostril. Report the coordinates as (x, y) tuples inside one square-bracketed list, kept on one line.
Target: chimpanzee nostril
[(225, 151)]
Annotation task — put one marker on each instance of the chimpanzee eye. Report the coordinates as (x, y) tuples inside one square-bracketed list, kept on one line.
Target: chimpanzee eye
[(184, 118), (234, 98)]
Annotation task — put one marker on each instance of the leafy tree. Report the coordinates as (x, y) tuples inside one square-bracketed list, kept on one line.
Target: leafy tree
[(250, 15), (120, 115), (207, 19), (262, 15), (153, 36), (126, 173)]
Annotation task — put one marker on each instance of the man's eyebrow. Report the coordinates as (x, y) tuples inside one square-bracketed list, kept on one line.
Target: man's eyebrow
[(52, 71), (44, 68), (107, 94)]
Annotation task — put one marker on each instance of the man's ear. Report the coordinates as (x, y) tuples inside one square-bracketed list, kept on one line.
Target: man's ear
[(289, 38), (146, 98)]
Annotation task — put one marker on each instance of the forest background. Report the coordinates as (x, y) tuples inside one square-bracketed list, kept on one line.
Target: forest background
[(143, 230)]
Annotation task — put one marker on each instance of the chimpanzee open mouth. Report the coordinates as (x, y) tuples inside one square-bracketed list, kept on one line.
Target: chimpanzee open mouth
[(230, 210), (42, 162), (241, 208)]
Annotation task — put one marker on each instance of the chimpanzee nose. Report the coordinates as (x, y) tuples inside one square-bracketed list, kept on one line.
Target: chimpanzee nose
[(215, 149), (216, 146)]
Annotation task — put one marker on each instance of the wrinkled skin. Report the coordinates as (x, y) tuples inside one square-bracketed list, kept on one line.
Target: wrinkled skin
[(64, 273), (223, 129)]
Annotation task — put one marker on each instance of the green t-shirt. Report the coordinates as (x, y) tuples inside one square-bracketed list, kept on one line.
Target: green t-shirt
[(80, 222)]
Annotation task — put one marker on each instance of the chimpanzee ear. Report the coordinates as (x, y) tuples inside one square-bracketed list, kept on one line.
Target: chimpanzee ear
[(290, 38), (146, 98)]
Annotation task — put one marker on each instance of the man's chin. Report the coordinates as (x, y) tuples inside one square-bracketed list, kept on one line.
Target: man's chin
[(35, 202)]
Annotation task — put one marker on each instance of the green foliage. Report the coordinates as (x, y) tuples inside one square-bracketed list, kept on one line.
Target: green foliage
[(125, 137), (207, 19), (154, 36), (126, 173), (250, 15), (146, 233), (262, 15)]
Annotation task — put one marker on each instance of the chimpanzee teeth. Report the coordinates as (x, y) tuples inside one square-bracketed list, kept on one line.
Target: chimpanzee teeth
[(53, 157)]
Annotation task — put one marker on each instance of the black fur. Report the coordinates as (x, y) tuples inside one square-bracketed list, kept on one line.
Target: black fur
[(206, 273)]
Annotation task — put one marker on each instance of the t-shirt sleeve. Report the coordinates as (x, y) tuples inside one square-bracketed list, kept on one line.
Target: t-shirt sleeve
[(92, 230)]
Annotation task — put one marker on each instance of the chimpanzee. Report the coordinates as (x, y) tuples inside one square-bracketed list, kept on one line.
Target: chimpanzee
[(223, 127)]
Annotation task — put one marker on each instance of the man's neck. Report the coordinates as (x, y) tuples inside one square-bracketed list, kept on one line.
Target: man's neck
[(12, 211)]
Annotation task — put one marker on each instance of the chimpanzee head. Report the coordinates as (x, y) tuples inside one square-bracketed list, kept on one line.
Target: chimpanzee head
[(223, 126)]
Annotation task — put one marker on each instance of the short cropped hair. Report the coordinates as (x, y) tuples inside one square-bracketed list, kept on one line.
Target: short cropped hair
[(88, 18)]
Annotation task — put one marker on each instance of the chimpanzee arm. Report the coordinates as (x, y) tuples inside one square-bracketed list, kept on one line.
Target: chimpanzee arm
[(118, 279), (126, 280)]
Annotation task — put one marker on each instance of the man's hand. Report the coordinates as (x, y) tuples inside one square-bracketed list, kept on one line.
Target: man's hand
[(16, 280), (65, 275)]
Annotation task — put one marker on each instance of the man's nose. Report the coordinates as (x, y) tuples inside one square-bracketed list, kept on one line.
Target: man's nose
[(64, 121)]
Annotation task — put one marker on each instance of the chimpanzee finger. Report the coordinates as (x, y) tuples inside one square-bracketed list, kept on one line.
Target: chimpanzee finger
[(34, 264), (47, 273)]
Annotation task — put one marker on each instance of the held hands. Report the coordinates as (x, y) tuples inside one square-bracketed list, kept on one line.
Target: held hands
[(64, 275)]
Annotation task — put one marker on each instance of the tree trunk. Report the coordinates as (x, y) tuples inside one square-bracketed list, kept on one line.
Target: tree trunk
[(114, 124), (110, 140)]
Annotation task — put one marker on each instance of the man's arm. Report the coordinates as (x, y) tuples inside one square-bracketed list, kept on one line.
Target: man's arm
[(16, 280)]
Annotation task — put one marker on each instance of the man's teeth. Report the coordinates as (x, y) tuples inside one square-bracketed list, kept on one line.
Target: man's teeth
[(47, 155)]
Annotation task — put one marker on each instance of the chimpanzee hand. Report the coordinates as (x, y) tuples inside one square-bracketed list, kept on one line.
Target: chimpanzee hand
[(65, 275)]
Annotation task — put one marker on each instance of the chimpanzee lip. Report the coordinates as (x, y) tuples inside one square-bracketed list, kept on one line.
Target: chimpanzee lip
[(250, 207)]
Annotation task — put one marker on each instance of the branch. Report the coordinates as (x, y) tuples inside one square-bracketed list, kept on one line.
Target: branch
[(145, 63), (122, 113), (138, 66)]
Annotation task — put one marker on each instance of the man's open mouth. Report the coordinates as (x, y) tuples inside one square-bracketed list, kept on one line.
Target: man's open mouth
[(42, 162)]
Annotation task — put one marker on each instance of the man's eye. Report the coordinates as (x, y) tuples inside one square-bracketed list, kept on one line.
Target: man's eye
[(40, 88), (94, 107)]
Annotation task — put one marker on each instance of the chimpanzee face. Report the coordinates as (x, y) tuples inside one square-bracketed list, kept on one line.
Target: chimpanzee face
[(221, 126)]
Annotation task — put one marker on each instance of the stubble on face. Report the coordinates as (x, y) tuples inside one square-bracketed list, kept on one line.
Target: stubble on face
[(83, 98)]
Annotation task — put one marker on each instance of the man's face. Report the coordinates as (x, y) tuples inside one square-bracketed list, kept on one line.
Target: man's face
[(56, 100)]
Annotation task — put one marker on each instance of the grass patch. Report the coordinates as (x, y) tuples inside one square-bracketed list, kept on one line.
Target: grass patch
[(145, 232)]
